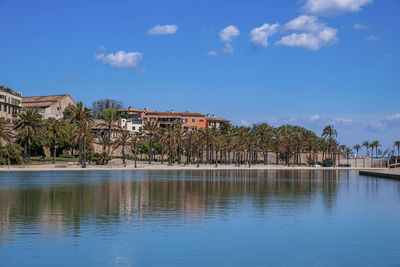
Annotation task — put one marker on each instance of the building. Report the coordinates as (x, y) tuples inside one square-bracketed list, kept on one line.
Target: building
[(50, 106), (191, 121), (213, 121), (10, 103), (131, 119)]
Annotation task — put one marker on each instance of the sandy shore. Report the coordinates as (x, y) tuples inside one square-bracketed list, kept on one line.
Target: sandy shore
[(159, 166)]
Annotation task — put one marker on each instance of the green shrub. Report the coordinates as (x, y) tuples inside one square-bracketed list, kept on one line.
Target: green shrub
[(101, 159), (67, 156)]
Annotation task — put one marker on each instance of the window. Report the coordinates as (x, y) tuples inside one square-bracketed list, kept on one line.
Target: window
[(5, 108), (153, 119), (193, 120), (184, 120), (133, 128), (58, 108), (144, 119), (201, 120)]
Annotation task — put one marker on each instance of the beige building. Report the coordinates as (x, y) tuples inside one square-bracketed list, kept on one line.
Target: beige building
[(215, 121), (131, 119), (10, 103), (50, 106)]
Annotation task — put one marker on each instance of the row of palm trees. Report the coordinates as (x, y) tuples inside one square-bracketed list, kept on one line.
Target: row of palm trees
[(233, 145), (261, 143), (375, 149)]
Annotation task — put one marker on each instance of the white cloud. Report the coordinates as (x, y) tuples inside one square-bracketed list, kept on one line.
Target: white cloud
[(394, 117), (259, 35), (305, 24), (372, 38), (333, 7), (388, 55), (121, 59), (315, 117), (359, 26), (310, 40), (163, 29), (313, 34), (212, 53), (344, 120), (376, 125), (229, 33), (228, 49)]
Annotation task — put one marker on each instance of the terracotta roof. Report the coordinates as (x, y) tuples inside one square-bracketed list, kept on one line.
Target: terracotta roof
[(42, 101), (216, 119), (132, 109), (179, 114)]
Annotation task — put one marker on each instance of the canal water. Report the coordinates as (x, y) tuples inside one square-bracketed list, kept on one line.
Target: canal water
[(198, 218)]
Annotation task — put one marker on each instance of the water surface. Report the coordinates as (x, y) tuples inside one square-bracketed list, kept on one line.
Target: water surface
[(198, 218)]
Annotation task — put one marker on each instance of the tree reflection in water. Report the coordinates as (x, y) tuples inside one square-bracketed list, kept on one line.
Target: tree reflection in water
[(162, 196)]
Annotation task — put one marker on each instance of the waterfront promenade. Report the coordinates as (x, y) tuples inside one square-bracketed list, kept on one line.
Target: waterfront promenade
[(384, 173), (158, 166)]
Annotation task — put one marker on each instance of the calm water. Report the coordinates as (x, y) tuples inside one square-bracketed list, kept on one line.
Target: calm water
[(198, 218)]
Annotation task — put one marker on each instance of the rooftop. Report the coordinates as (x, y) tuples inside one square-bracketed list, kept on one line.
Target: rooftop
[(172, 113), (9, 90), (213, 118), (42, 101)]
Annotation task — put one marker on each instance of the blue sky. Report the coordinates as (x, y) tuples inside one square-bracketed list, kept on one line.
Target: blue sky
[(309, 62)]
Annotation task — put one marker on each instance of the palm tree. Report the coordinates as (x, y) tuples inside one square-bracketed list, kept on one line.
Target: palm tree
[(29, 122), (347, 152), (170, 135), (329, 133), (82, 116), (134, 142), (264, 133), (6, 136), (151, 129), (375, 144), (367, 145), (83, 133), (162, 139), (57, 129), (123, 140), (109, 117), (397, 144), (104, 141), (199, 143), (189, 143), (356, 147)]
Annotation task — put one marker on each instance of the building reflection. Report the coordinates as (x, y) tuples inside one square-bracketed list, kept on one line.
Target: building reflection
[(164, 197)]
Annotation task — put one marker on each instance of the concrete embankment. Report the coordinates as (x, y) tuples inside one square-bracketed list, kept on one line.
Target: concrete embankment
[(387, 173)]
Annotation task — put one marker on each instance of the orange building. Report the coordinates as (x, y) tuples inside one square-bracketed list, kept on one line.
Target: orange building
[(191, 121)]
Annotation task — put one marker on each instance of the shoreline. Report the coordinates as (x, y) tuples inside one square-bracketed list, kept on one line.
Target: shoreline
[(158, 166)]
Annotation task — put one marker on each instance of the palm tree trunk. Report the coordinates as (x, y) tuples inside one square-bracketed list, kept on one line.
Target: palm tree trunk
[(170, 152), (265, 158), (109, 140), (135, 151), (162, 153), (123, 156), (26, 149), (198, 157), (55, 148), (84, 152), (150, 148)]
